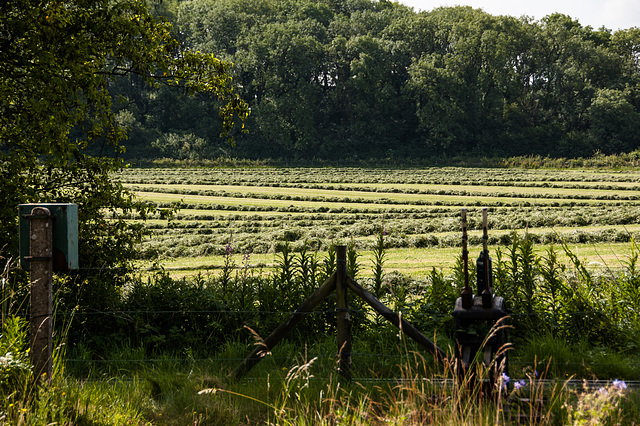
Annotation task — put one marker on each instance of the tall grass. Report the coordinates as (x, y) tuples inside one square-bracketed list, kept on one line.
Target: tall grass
[(420, 396), (551, 302), (59, 399)]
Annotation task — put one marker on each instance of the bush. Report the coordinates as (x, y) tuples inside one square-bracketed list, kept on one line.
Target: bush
[(15, 368)]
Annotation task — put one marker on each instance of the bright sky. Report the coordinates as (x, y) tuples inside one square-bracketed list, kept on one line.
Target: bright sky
[(613, 14)]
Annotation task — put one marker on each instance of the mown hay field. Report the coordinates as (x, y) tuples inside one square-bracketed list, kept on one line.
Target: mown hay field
[(255, 211)]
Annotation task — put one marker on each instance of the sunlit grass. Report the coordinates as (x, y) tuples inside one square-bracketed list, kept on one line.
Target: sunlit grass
[(388, 200), (393, 191), (414, 262)]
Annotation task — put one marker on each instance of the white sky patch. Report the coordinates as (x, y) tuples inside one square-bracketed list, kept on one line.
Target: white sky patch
[(612, 14)]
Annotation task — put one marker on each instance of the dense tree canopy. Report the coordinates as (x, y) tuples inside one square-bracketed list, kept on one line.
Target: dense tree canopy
[(58, 61), (343, 79)]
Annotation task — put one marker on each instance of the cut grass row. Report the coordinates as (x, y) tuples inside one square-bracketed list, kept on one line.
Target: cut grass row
[(375, 201), (398, 191), (448, 175)]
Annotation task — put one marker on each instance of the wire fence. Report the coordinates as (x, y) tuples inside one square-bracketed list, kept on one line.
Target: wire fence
[(194, 316), (393, 357)]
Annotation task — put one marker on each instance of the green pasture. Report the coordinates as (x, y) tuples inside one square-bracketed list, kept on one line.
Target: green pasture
[(257, 210)]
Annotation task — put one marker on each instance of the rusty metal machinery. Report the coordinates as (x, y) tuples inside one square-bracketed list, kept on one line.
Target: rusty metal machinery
[(478, 317)]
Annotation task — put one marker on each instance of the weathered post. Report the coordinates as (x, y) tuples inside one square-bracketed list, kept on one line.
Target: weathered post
[(41, 265), (467, 293), (483, 266), (343, 319), (340, 281)]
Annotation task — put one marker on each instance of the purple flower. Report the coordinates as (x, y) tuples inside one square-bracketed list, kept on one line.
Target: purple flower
[(535, 373), (520, 384), (603, 391), (228, 250), (505, 380), (620, 384)]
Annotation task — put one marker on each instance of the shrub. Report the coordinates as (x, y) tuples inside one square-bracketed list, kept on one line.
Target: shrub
[(15, 368)]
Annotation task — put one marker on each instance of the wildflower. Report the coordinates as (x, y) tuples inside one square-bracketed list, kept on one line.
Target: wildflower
[(620, 384), (520, 384), (603, 391), (535, 373), (228, 250), (505, 380), (6, 360)]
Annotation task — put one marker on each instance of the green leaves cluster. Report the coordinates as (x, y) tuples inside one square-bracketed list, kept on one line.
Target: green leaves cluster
[(15, 369), (58, 62)]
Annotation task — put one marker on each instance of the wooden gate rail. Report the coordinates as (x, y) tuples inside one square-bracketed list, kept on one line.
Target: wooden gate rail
[(396, 320), (262, 348), (338, 281)]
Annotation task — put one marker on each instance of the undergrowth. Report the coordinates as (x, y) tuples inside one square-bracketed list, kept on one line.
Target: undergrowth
[(566, 321)]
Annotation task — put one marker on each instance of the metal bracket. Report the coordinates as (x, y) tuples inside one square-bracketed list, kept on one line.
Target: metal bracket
[(37, 258), (38, 216)]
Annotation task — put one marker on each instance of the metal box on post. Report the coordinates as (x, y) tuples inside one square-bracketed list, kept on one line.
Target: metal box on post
[(65, 234)]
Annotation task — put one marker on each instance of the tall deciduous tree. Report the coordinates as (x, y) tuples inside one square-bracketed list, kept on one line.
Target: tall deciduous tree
[(57, 59)]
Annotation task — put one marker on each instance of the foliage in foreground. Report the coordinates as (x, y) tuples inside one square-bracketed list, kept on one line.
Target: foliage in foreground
[(421, 397), (58, 123), (567, 302), (169, 392), (302, 394)]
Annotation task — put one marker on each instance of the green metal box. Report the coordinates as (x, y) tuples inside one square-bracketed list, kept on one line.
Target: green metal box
[(65, 234)]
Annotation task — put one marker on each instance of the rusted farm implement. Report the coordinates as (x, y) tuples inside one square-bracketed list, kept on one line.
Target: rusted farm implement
[(480, 340)]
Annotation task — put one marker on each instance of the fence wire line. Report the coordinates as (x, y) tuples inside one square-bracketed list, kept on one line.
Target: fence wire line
[(354, 355), (434, 316), (217, 311), (577, 384), (291, 312), (221, 359)]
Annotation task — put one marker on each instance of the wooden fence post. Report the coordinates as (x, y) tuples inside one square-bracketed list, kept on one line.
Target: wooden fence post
[(341, 282), (343, 319), (41, 266)]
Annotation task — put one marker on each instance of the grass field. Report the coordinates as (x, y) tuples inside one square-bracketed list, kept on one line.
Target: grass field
[(165, 354), (256, 211)]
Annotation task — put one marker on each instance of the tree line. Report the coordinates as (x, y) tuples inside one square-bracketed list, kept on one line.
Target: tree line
[(359, 79)]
